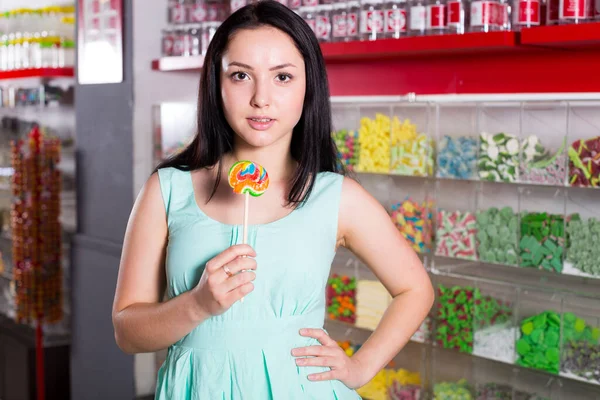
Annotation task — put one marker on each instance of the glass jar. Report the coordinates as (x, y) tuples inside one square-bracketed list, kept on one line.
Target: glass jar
[(353, 22), (235, 5), (436, 17), (177, 12), (197, 12), (310, 17), (575, 11), (457, 16), (193, 42), (526, 14), (323, 24), (294, 4), (213, 11), (310, 3), (178, 42), (168, 36), (395, 19), (339, 22), (371, 20), (486, 16), (208, 31), (505, 15), (417, 21)]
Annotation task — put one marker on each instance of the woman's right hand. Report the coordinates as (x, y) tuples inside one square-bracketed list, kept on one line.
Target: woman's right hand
[(226, 279)]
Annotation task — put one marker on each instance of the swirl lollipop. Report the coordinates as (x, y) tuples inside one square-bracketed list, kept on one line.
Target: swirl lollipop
[(249, 179)]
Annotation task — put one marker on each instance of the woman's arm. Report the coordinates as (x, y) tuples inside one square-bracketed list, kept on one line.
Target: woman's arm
[(367, 230), (141, 322)]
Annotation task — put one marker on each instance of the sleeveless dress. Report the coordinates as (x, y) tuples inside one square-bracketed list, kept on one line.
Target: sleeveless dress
[(245, 353)]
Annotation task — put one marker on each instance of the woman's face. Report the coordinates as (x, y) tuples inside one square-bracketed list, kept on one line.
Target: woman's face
[(262, 86)]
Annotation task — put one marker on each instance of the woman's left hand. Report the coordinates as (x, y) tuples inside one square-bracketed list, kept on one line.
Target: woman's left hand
[(343, 368)]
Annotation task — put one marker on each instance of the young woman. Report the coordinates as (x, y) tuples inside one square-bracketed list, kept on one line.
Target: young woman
[(263, 97)]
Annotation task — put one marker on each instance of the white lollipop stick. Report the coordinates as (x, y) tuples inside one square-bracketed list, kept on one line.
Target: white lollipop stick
[(245, 234)]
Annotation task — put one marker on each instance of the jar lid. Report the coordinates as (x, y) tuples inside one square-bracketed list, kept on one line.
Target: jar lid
[(353, 4), (326, 7), (308, 9), (339, 6)]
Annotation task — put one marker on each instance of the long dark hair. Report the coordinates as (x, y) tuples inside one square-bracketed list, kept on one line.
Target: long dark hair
[(312, 145)]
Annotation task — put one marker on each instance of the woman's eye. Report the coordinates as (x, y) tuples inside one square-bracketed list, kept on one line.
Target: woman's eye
[(283, 78), (239, 76)]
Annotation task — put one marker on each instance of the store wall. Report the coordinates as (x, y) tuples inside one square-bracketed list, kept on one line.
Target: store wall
[(151, 88)]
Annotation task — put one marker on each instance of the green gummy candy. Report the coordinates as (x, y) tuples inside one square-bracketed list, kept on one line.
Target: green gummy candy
[(551, 339), (579, 325), (523, 347), (539, 321), (553, 319), (527, 328), (552, 355), (537, 335)]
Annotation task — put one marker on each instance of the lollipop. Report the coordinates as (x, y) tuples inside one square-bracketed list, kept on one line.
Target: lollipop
[(249, 179)]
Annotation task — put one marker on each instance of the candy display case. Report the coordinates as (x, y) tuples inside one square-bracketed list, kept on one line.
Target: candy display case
[(412, 212), (543, 152), (580, 339), (456, 225), (494, 321), (530, 384), (497, 224), (542, 236), (584, 144), (457, 141), (375, 137), (412, 140), (451, 375), (539, 336), (582, 233), (346, 121), (498, 156)]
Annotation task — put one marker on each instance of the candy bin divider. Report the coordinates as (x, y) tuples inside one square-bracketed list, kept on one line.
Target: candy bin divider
[(520, 137), (479, 111), (391, 117), (566, 139), (433, 137)]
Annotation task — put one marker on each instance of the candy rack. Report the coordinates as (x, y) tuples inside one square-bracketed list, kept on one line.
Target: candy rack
[(513, 178)]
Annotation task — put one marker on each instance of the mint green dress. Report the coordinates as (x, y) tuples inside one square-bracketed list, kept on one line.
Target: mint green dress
[(245, 353)]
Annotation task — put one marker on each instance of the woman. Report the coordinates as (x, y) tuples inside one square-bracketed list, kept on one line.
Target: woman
[(263, 97)]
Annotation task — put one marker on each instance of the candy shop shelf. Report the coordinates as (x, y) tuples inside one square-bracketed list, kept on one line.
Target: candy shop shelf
[(563, 36), (38, 73), (167, 64), (471, 43), (351, 329), (528, 278)]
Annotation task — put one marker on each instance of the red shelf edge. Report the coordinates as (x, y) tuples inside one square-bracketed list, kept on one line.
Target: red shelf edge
[(562, 36), (67, 72), (421, 45)]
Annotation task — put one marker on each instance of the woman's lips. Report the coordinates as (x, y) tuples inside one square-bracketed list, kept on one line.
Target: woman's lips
[(259, 123)]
